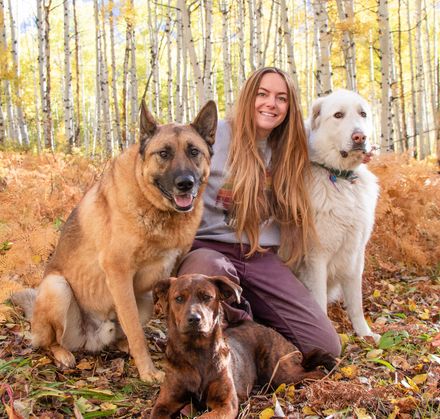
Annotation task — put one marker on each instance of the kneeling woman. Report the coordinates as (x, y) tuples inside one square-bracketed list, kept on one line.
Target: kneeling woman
[(256, 222)]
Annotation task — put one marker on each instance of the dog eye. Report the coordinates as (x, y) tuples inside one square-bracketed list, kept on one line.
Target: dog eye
[(207, 297), (194, 152), (338, 115), (164, 154), (363, 114), (179, 299)]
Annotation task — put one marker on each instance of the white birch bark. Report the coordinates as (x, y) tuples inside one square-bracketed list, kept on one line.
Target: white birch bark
[(308, 70), (22, 127), (258, 34), (154, 60), (288, 38), (423, 143), (79, 115), (133, 87), (169, 63), (2, 121), (116, 116), (323, 66), (124, 117), (241, 48), (97, 124), (346, 13), (252, 24), (396, 129), (68, 102), (37, 109), (386, 141), (47, 5), (179, 112), (207, 69), (268, 32), (413, 143), (227, 82), (188, 44)]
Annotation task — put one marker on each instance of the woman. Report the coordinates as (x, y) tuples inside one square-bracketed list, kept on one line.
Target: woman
[(256, 221)]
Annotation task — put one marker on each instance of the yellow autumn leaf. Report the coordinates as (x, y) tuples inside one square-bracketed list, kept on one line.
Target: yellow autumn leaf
[(394, 413), (307, 410), (344, 338), (350, 371), (84, 365), (281, 388), (108, 406), (376, 293), (412, 306), (361, 413), (290, 392), (267, 413), (374, 353), (328, 412), (420, 378), (426, 315)]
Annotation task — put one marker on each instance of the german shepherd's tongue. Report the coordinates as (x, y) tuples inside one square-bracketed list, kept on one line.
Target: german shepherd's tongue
[(183, 201)]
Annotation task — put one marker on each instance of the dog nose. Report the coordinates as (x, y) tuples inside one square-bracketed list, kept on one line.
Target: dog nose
[(184, 183), (358, 137), (194, 318)]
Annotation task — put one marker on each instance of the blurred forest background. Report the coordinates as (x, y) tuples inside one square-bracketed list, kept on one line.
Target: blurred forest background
[(73, 72)]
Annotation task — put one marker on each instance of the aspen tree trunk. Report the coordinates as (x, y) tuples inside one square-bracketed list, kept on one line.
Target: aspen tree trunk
[(289, 45), (97, 127), (179, 112), (431, 69), (47, 92), (207, 70), (437, 86), (346, 13), (423, 144), (188, 44), (241, 49), (258, 37), (77, 108), (105, 93), (37, 109), (169, 64), (68, 103), (116, 116), (22, 127), (277, 44), (404, 134), (309, 71), (185, 82), (398, 139), (268, 33), (323, 65), (133, 85), (413, 144), (251, 18), (227, 82), (124, 119), (154, 61), (386, 141)]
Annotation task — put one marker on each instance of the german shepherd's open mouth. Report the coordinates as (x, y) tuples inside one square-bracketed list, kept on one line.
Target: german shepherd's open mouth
[(183, 199)]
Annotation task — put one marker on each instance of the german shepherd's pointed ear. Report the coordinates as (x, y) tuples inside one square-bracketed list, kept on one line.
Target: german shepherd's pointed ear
[(229, 290), (148, 126), (205, 122), (160, 295)]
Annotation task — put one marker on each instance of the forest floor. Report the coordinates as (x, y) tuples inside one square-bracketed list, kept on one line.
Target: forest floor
[(398, 378)]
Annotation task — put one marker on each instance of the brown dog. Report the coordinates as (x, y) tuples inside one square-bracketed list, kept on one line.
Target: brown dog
[(219, 367), (126, 234)]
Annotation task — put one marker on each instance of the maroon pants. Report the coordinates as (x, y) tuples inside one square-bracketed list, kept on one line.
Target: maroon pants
[(277, 298)]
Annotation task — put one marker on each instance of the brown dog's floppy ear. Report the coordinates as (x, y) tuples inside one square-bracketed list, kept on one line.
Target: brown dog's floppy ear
[(205, 122), (148, 126), (229, 290), (160, 295)]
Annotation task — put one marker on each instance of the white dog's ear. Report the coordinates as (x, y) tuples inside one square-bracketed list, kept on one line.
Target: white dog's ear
[(315, 113)]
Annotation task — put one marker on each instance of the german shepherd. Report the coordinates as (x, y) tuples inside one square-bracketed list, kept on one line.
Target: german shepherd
[(128, 232)]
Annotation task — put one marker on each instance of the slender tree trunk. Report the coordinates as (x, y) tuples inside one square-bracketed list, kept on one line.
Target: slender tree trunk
[(169, 63), (423, 143), (252, 25), (227, 82), (258, 34), (68, 102), (97, 127), (289, 45), (404, 135), (324, 70), (154, 60), (207, 70), (188, 44), (47, 92), (241, 49), (77, 108), (124, 119), (179, 85), (2, 121), (386, 142), (117, 119), (22, 127), (133, 84), (413, 144), (346, 13), (268, 33)]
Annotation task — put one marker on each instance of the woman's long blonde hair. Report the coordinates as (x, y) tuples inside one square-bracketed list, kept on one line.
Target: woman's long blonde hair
[(288, 201)]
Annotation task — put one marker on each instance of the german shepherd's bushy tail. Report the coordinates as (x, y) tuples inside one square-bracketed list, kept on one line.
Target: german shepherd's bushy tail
[(25, 299)]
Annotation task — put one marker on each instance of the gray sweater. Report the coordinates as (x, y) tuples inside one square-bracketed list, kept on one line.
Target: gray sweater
[(216, 222)]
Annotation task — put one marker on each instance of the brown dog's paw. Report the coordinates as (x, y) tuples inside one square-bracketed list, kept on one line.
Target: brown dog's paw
[(64, 359), (152, 377)]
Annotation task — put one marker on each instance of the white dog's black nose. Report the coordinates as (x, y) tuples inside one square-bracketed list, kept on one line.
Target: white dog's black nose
[(358, 137)]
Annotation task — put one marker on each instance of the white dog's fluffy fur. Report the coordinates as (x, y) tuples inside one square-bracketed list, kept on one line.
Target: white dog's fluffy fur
[(339, 130)]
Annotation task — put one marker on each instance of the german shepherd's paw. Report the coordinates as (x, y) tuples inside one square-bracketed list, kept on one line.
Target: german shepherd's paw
[(152, 377), (64, 359)]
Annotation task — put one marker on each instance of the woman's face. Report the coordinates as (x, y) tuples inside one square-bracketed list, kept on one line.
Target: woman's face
[(271, 104)]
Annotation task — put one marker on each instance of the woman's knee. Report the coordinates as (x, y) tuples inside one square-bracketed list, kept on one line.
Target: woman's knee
[(208, 262)]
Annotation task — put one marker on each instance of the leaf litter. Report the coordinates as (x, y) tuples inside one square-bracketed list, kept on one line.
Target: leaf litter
[(398, 378)]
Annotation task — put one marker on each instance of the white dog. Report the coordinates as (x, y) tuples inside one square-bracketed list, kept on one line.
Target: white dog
[(343, 195)]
